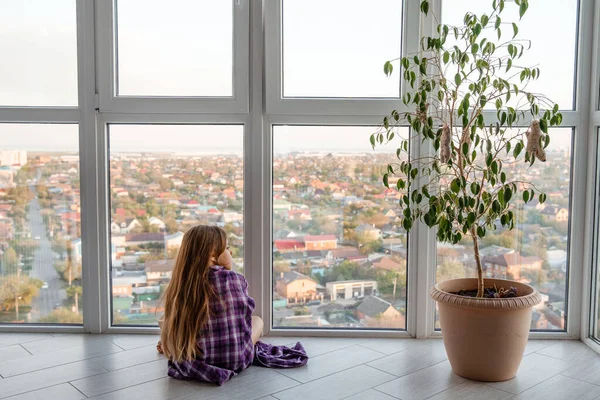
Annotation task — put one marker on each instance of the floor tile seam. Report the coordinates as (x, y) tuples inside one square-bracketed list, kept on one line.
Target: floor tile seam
[(59, 365), (83, 394), (72, 347), (324, 376), (56, 384), (448, 388), (121, 369), (132, 386), (29, 391), (377, 351), (409, 373), (29, 341), (23, 347), (577, 379), (289, 377), (129, 366), (331, 351), (531, 387), (116, 390)]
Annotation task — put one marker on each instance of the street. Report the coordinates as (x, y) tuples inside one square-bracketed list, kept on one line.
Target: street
[(42, 267)]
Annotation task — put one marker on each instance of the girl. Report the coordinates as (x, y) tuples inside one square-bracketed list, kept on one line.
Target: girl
[(208, 332)]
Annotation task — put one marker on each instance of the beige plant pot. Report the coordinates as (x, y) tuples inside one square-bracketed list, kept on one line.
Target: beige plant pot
[(485, 338)]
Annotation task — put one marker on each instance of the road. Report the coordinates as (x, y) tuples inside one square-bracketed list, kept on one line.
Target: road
[(42, 267)]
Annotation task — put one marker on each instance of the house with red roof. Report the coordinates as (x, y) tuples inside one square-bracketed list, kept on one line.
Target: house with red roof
[(289, 245)]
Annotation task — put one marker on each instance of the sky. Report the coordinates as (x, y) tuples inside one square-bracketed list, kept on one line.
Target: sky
[(337, 51)]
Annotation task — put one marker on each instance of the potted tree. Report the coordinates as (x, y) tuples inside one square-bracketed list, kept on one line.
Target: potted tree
[(471, 103)]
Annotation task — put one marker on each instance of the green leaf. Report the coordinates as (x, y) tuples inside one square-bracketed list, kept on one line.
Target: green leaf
[(508, 64), (499, 32), (542, 198), (515, 30), (455, 186), (471, 218), (526, 196), (373, 140), (425, 7), (388, 68), (457, 79), (446, 57), (523, 8), (507, 194), (544, 125), (494, 166), (484, 19), (385, 180), (480, 231), (498, 22)]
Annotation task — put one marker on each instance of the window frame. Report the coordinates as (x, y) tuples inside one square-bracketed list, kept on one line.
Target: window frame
[(258, 105), (107, 49), (277, 104)]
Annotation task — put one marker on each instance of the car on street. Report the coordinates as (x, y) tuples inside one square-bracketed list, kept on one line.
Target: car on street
[(37, 238), (45, 285), (314, 303)]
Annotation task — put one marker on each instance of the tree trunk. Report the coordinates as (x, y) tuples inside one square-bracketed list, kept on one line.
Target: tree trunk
[(480, 283)]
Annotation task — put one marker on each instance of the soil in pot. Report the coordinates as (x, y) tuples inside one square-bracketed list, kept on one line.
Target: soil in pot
[(491, 293)]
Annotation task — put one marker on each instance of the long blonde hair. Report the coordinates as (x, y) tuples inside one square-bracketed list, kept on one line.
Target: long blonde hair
[(189, 294)]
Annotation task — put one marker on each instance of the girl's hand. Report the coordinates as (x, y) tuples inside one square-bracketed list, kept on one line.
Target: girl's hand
[(225, 259)]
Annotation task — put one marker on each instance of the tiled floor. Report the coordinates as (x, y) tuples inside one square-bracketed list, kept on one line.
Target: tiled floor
[(70, 367)]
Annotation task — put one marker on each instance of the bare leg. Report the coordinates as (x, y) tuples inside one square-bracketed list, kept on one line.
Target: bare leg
[(257, 328)]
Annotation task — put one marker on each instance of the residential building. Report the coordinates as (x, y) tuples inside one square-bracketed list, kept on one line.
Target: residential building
[(511, 266), (159, 270), (347, 290), (296, 287), (368, 232), (320, 242), (377, 312)]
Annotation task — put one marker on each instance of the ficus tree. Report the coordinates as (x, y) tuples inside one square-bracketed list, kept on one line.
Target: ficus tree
[(471, 100)]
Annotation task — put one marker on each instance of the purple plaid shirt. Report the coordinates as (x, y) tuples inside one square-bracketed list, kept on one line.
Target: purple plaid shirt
[(227, 343)]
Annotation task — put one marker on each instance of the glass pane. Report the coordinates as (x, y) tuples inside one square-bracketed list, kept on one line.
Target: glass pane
[(337, 48), (164, 179), (536, 251), (40, 230), (557, 78), (339, 257), (179, 48), (38, 43)]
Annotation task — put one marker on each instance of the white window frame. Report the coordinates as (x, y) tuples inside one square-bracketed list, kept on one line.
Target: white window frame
[(590, 306), (258, 105), (335, 106), (110, 102)]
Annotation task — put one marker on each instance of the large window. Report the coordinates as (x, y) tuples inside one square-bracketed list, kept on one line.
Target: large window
[(125, 122), (40, 230), (339, 256), (158, 190)]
